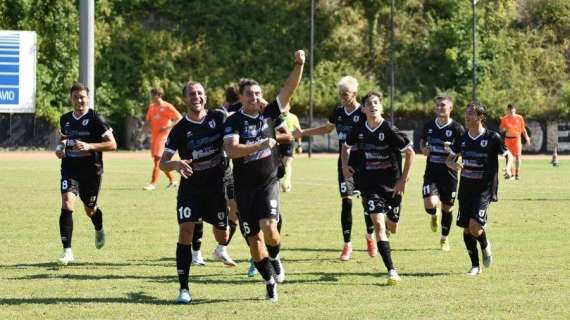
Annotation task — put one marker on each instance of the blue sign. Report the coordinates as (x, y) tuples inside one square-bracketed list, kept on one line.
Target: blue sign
[(9, 69)]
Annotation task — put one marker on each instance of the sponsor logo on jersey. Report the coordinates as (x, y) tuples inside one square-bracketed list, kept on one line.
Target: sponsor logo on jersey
[(381, 136), (448, 133), (228, 129), (360, 136), (355, 118), (430, 130), (85, 122), (483, 143), (67, 124), (189, 133), (212, 124)]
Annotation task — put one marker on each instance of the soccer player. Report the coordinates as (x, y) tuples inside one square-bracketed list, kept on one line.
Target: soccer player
[(375, 166), (479, 149), (160, 118), (198, 140), (287, 148), (85, 135), (440, 182), (249, 142), (513, 126), (344, 118)]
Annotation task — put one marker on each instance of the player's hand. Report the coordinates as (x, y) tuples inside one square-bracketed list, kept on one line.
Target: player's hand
[(528, 142), (507, 173), (59, 154), (184, 168), (347, 171), (300, 57), (268, 143), (297, 133), (81, 146), (454, 165), (400, 187), (261, 104)]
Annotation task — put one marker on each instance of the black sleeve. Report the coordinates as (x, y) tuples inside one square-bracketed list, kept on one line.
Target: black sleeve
[(500, 147), (234, 107), (332, 116), (352, 137), (272, 110), (456, 145), (61, 127), (100, 125), (173, 141), (424, 136), (231, 126), (397, 139)]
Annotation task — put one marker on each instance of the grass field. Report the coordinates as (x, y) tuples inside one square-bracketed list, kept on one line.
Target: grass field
[(134, 275)]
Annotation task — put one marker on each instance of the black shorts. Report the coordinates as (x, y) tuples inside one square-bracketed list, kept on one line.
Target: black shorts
[(382, 202), (83, 183), (229, 184), (445, 187), (345, 186), (256, 204), (473, 205), (207, 206), (286, 149)]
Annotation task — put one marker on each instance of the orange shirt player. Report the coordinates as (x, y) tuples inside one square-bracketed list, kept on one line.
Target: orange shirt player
[(513, 126), (160, 118)]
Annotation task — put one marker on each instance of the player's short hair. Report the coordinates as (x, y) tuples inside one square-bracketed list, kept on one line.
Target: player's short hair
[(244, 82), (189, 84), (443, 98), (479, 109), (157, 91), (373, 94), (347, 83), (511, 106), (231, 94), (78, 86)]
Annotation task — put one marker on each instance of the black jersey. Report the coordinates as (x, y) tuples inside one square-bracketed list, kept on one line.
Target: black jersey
[(90, 128), (202, 143), (434, 136), (378, 164), (480, 160), (344, 122), (259, 168)]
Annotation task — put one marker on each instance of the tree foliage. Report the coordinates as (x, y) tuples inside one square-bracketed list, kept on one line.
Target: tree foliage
[(523, 51)]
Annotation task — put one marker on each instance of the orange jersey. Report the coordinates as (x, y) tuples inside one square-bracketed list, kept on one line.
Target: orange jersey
[(159, 116), (513, 125)]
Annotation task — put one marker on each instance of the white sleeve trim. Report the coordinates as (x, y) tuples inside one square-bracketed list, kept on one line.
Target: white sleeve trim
[(408, 146), (168, 150), (231, 136), (347, 145), (108, 132), (281, 125)]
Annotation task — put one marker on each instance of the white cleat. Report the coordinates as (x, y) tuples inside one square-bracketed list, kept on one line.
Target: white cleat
[(149, 187), (392, 278), (197, 259), (279, 275), (487, 255), (444, 244), (221, 254), (474, 271), (66, 257), (183, 297), (271, 292), (99, 238)]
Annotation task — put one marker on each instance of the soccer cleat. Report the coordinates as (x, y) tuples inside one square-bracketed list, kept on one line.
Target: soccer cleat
[(172, 185), (346, 252), (371, 246), (66, 257), (149, 187), (271, 292), (197, 259), (434, 223), (279, 275), (222, 255), (517, 177), (183, 297), (444, 243), (356, 193), (392, 278), (487, 255), (474, 271), (99, 238), (252, 270)]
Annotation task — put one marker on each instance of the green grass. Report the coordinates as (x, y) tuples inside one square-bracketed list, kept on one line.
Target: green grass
[(134, 276)]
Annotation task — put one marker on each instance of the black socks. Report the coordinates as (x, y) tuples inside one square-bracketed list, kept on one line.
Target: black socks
[(66, 227), (183, 260), (265, 269), (97, 220), (483, 240), (431, 211), (385, 253), (197, 236), (369, 224), (233, 227), (471, 246), (446, 219), (346, 219)]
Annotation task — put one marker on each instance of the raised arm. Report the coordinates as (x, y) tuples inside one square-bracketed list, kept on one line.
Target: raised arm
[(292, 82)]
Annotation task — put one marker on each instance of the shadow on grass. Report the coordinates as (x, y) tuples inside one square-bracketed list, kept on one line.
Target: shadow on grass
[(535, 199), (132, 297)]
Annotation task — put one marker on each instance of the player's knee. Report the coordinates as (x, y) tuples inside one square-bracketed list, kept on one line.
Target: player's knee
[(185, 233), (89, 211)]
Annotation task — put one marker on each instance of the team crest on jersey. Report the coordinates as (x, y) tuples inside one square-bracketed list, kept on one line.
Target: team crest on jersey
[(381, 136), (245, 123), (221, 215), (483, 143), (448, 133), (85, 122), (228, 130), (360, 136), (356, 118), (212, 124), (188, 134)]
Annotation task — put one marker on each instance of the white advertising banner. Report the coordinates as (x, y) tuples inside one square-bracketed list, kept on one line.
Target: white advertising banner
[(17, 71)]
